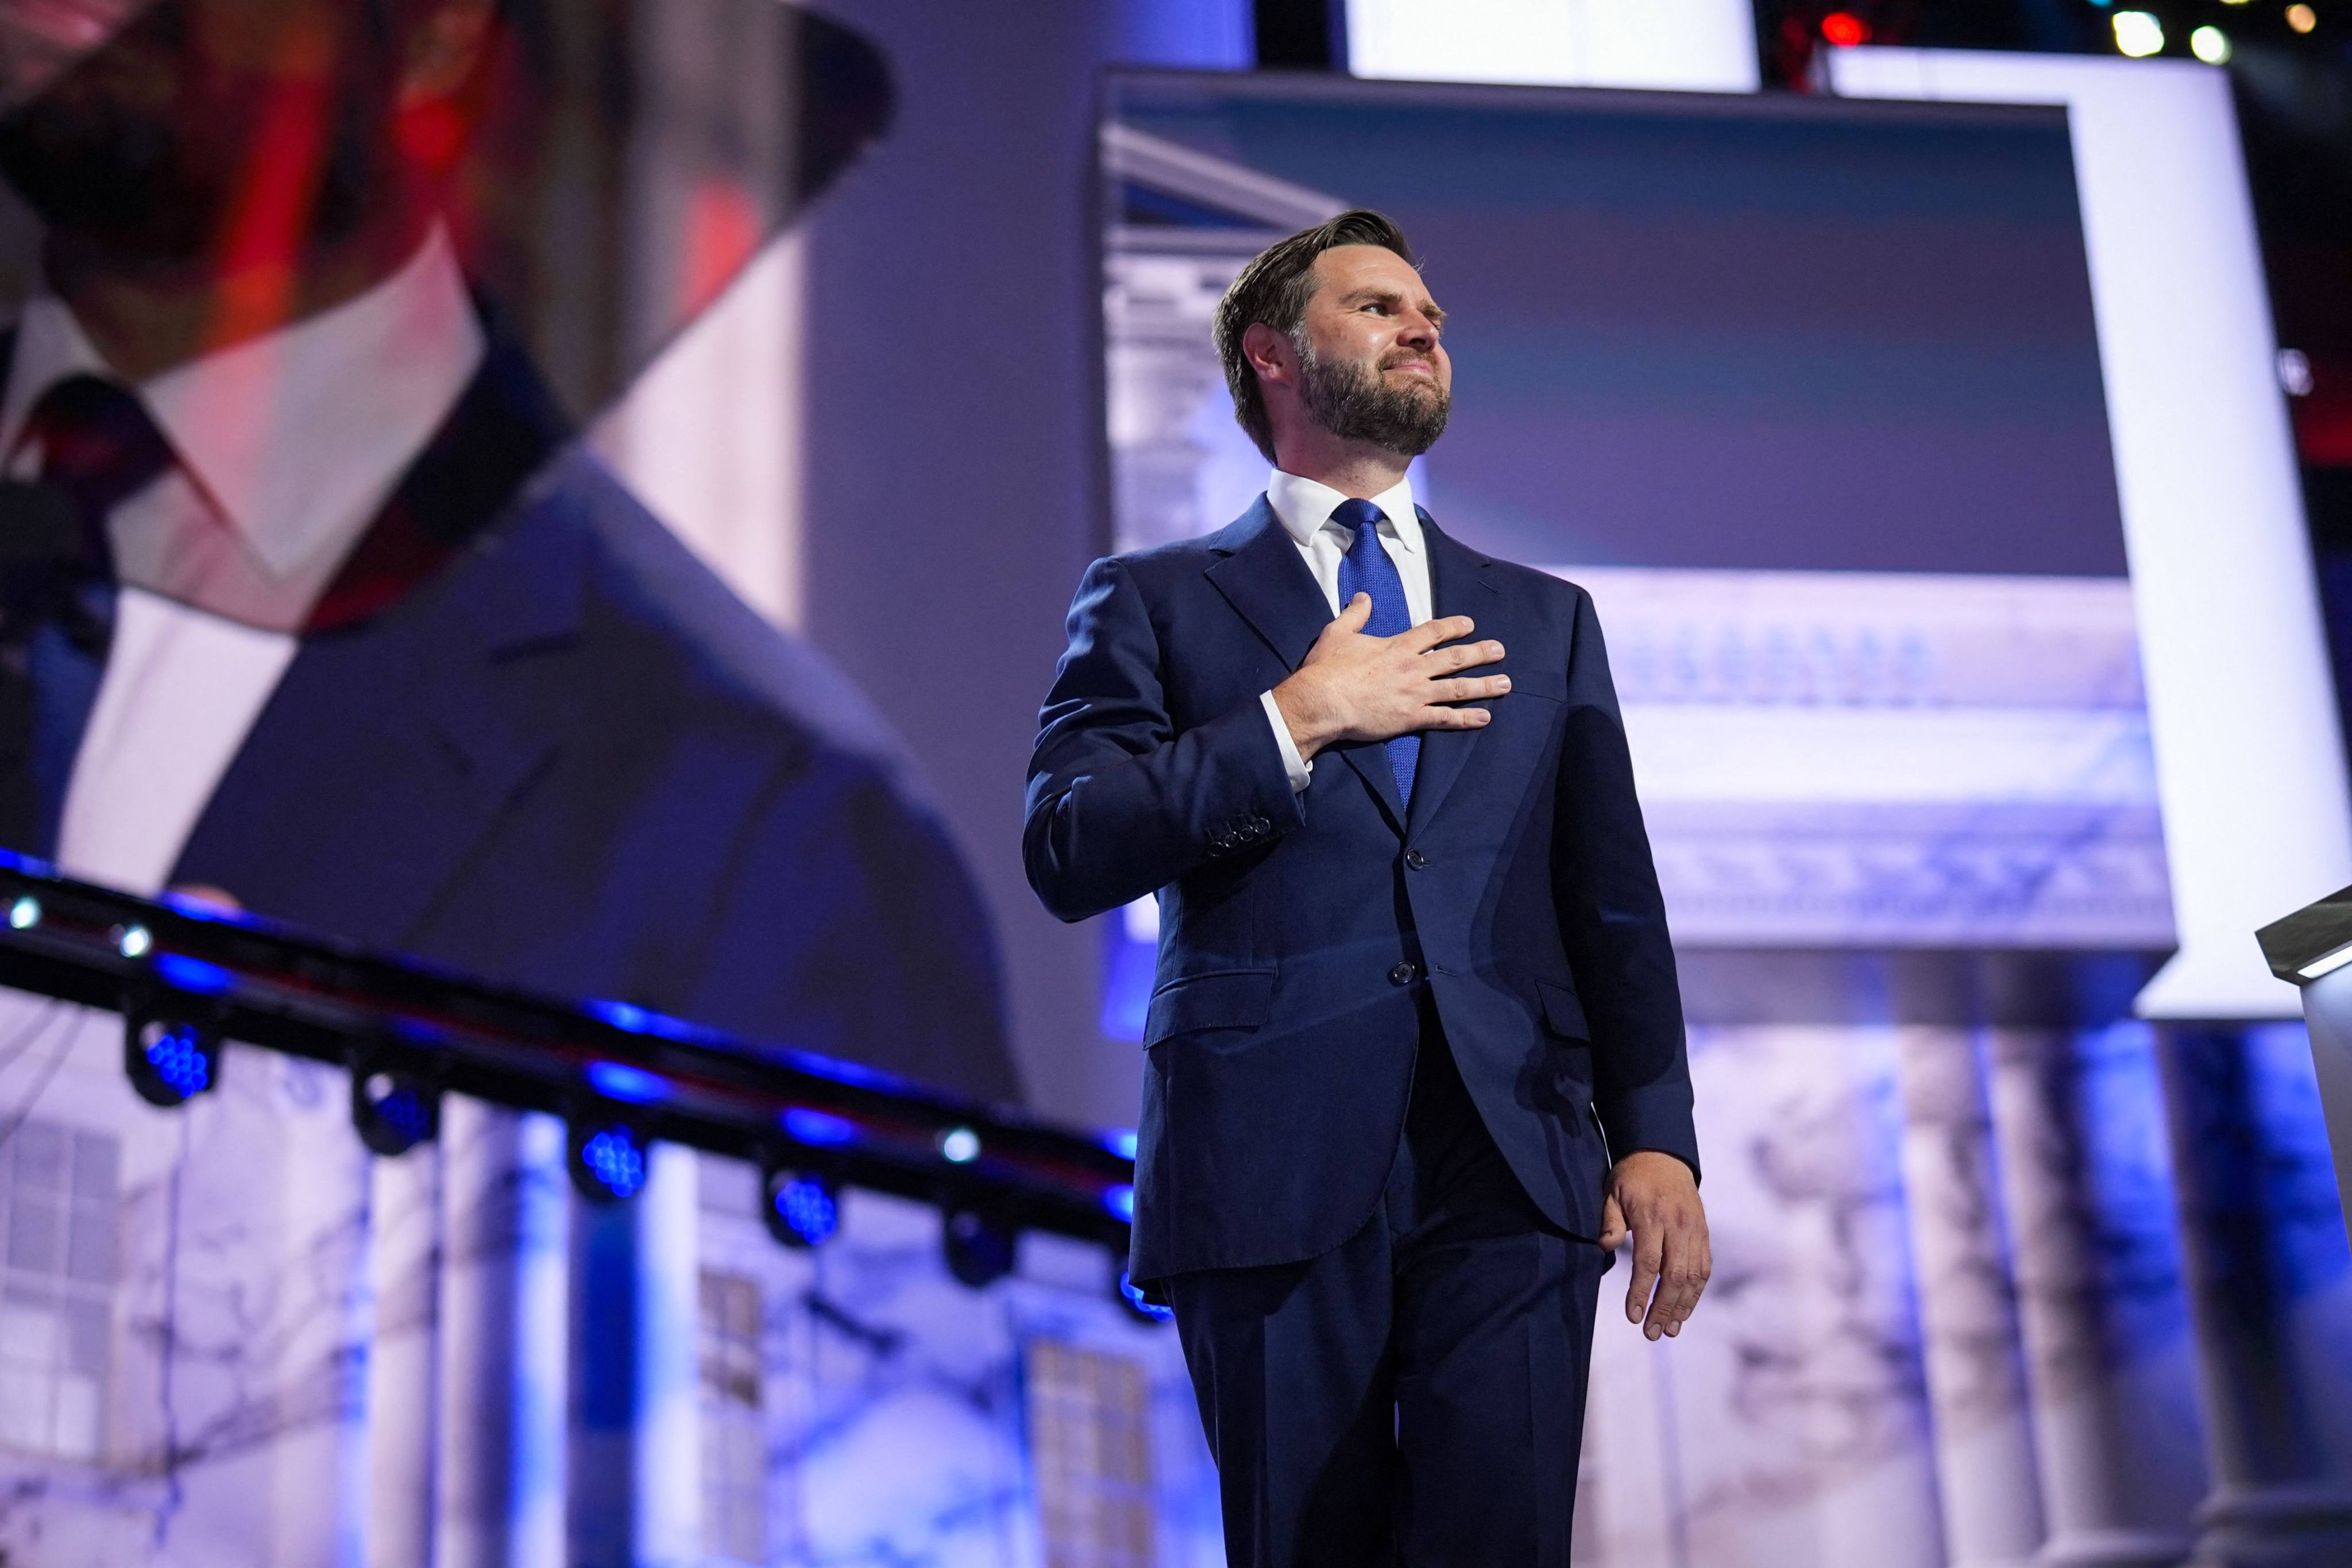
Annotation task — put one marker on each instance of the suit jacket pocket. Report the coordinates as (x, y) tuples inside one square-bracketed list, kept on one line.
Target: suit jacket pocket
[(1222, 999), (1564, 1013)]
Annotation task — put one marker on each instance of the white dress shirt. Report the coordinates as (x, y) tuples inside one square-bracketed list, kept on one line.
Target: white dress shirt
[(287, 446), (1304, 507)]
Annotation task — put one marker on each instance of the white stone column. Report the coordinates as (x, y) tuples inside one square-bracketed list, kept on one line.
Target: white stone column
[(668, 1215), (505, 1338), (635, 1484), (1968, 1306), (2262, 1262), (403, 1384), (2116, 1486), (325, 1320)]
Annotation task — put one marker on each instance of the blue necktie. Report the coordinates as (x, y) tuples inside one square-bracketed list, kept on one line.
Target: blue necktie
[(1367, 569)]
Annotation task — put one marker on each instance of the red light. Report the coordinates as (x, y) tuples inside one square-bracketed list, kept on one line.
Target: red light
[(1845, 29)]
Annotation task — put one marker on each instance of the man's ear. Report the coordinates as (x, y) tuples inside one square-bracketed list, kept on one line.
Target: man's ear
[(1271, 354)]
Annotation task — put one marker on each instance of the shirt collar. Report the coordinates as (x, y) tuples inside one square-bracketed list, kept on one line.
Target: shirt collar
[(299, 436), (1305, 506)]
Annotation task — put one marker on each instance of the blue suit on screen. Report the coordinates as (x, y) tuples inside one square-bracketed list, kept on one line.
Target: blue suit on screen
[(1305, 936), (533, 738)]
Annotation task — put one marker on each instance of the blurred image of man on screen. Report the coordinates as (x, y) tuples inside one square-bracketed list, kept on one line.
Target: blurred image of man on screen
[(311, 597), (1416, 1063)]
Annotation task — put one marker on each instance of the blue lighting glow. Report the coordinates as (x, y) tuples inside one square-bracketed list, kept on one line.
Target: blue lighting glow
[(1135, 1300), (192, 975), (808, 1209), (958, 1146), (1121, 1141), (25, 913), (636, 1020), (181, 1061), (817, 1127), (614, 1159), (630, 1086), (1121, 1201)]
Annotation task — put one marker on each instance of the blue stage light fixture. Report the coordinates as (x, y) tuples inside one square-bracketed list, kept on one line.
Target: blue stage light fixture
[(609, 1162), (803, 1208), (1121, 1201), (25, 913), (392, 1110), (170, 1061), (979, 1249), (958, 1146), (1134, 1299)]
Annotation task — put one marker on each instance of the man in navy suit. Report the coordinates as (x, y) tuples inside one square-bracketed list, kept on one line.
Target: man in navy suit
[(1415, 1051), (345, 623)]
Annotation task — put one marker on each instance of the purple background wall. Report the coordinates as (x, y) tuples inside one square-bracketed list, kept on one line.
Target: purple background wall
[(947, 529)]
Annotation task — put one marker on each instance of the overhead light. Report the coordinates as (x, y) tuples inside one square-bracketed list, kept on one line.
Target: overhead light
[(392, 1110), (608, 1162), (1845, 29), (958, 1146), (803, 1209), (2210, 45), (2302, 18), (170, 1061), (1132, 1298), (2139, 34), (980, 1250)]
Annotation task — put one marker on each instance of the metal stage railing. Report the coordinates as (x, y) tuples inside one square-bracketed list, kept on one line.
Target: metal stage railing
[(187, 975)]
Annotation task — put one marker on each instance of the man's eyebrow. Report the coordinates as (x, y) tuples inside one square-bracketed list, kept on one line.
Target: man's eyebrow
[(1428, 306)]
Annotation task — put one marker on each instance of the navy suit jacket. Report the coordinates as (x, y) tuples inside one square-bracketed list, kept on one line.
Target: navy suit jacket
[(1296, 929), (571, 760)]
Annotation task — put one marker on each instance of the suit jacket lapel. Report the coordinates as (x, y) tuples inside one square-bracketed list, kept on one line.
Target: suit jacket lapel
[(409, 719), (1261, 575), (1461, 583)]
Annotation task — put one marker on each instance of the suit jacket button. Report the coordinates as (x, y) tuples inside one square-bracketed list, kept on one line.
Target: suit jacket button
[(1404, 974), (1415, 859)]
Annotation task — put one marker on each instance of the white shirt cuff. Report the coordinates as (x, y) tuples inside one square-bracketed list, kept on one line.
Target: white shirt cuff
[(1299, 769)]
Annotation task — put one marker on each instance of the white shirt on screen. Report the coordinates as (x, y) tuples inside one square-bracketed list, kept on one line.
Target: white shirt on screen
[(287, 446), (1304, 507)]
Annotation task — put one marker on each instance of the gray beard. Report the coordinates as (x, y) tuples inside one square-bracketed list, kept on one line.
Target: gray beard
[(1347, 399)]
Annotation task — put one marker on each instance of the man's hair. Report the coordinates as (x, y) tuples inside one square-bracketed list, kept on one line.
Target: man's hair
[(1274, 289)]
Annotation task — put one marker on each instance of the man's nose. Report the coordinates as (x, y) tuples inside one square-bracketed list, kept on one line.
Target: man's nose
[(1418, 332)]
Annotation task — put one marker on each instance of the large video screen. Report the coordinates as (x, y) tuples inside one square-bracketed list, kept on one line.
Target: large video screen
[(1806, 393)]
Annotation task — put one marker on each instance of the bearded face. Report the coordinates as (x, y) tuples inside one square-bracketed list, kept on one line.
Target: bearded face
[(147, 146), (1354, 401)]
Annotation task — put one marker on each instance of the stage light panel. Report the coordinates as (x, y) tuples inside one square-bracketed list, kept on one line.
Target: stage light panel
[(169, 1060), (608, 1162)]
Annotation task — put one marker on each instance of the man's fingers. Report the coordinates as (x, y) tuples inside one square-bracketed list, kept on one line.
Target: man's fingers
[(1683, 1277), (1613, 1223), (1473, 688), (1462, 656), (1428, 633), (1648, 1249), (1355, 613), (1451, 717)]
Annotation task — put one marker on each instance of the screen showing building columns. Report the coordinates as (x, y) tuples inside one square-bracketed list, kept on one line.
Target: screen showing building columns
[(1807, 393)]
